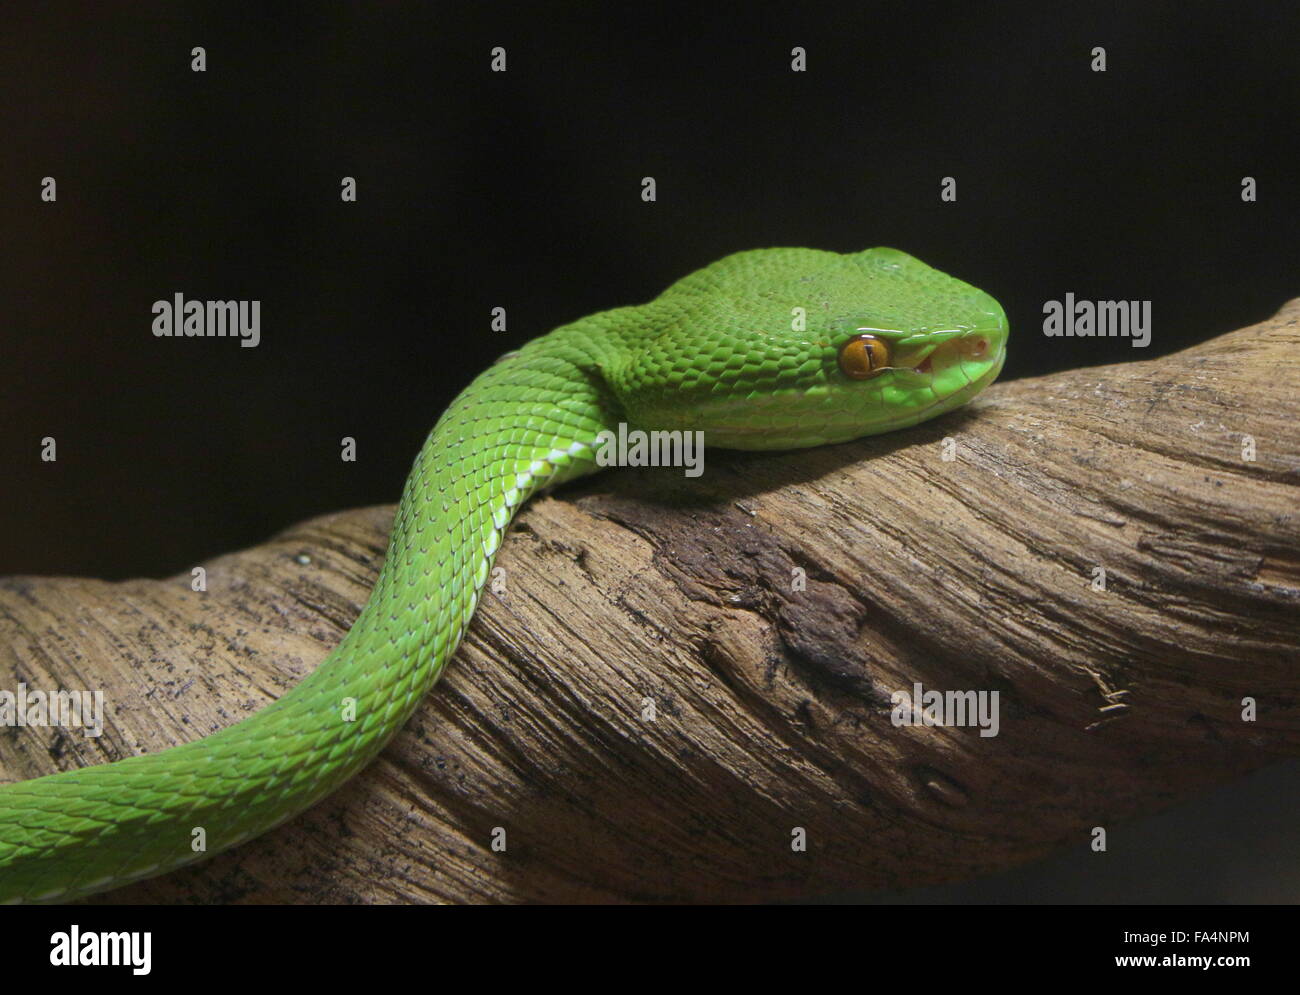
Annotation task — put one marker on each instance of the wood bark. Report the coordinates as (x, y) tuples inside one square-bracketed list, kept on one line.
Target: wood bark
[(654, 704)]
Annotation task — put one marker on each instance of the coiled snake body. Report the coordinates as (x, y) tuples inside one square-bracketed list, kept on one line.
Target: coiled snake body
[(768, 349)]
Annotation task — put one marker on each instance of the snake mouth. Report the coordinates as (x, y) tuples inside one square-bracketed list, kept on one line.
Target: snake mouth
[(946, 377), (971, 350), (955, 362)]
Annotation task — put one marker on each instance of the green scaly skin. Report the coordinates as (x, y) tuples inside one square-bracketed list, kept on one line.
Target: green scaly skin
[(744, 350)]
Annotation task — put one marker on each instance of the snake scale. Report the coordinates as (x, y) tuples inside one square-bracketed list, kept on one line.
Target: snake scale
[(766, 349)]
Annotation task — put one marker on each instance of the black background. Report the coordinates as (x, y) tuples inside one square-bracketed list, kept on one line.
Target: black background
[(522, 190)]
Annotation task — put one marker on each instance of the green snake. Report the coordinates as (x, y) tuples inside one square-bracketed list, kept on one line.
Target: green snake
[(767, 349)]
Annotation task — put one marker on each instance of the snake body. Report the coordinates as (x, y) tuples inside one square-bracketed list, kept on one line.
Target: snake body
[(767, 349)]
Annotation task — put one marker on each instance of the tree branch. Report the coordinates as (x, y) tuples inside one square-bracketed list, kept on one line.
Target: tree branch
[(772, 704)]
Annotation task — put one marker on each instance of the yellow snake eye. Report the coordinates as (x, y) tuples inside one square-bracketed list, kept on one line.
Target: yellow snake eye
[(864, 356)]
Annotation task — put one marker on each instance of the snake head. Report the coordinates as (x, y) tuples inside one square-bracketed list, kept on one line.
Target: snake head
[(789, 348)]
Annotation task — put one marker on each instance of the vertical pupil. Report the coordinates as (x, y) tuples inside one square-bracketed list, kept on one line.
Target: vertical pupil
[(863, 356)]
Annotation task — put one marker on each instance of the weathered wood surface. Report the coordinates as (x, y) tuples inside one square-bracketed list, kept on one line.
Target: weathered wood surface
[(772, 705)]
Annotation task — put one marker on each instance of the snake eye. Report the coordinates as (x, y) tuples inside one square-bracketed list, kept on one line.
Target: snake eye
[(864, 356)]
